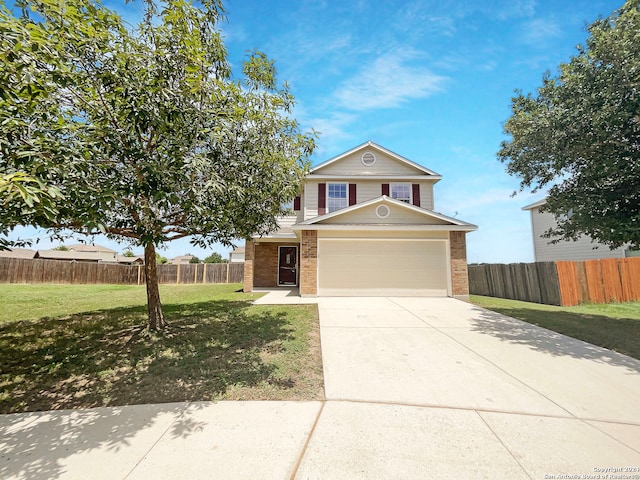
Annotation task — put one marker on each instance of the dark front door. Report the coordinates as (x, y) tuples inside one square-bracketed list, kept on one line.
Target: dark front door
[(287, 265)]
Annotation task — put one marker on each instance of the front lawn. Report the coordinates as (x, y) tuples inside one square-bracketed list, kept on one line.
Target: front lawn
[(77, 346), (615, 326)]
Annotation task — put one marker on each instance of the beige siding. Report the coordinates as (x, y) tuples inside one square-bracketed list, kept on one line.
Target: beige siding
[(384, 165), (582, 249), (286, 222), (382, 267), (386, 234), (426, 195), (397, 215), (310, 205), (368, 190), (365, 190)]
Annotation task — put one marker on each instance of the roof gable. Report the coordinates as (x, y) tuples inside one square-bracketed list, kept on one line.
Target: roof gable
[(386, 211), (371, 159), (537, 204)]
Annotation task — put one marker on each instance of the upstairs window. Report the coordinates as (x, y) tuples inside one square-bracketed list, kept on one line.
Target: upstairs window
[(336, 196), (401, 191)]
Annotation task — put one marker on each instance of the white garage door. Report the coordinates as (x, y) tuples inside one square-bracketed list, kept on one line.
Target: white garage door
[(382, 267)]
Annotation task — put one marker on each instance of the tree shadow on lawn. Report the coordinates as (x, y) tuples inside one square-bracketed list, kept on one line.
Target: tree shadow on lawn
[(106, 358), (520, 326)]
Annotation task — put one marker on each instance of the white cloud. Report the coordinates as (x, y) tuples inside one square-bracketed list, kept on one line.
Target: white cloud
[(474, 200), (514, 9), (539, 31), (388, 82)]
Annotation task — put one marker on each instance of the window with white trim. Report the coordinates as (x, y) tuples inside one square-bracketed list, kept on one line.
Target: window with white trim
[(401, 191), (336, 196)]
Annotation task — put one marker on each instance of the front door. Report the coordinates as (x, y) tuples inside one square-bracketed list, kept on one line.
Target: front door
[(287, 265)]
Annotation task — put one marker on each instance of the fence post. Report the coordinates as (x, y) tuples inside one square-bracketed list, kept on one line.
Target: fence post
[(139, 268), (228, 272), (178, 274), (204, 273)]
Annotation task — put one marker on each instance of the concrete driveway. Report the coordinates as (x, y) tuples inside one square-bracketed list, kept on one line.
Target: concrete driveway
[(415, 388), (438, 388)]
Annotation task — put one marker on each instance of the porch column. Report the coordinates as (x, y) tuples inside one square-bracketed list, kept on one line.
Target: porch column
[(309, 264), (459, 272), (249, 256)]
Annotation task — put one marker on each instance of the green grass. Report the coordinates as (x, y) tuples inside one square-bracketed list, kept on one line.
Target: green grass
[(77, 346), (615, 326)]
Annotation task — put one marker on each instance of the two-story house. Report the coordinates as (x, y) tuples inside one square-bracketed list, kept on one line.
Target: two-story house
[(364, 224), (584, 248)]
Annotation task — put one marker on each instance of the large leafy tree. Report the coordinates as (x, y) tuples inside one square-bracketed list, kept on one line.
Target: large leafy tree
[(580, 135), (143, 129)]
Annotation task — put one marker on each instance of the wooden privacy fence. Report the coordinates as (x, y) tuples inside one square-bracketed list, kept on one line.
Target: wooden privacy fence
[(600, 281), (21, 270), (559, 283), (531, 282)]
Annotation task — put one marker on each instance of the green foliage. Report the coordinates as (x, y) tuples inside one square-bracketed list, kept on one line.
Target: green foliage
[(161, 260), (25, 199), (194, 259), (128, 253), (61, 248), (215, 257), (143, 129), (580, 135)]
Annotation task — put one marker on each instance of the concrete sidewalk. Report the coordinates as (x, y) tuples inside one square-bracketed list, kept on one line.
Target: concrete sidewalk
[(416, 388)]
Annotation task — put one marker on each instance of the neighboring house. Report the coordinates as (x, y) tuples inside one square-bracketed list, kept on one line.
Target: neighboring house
[(582, 249), (18, 253), (237, 255), (364, 224), (181, 260), (130, 260), (94, 257), (103, 253)]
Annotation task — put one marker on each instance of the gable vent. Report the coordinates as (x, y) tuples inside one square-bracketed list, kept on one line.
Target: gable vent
[(368, 159), (382, 211)]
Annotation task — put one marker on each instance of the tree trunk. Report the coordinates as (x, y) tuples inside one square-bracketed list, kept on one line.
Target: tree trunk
[(156, 319)]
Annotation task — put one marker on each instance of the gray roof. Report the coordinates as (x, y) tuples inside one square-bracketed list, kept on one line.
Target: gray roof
[(533, 205), (69, 255), (18, 253), (81, 247), (181, 259)]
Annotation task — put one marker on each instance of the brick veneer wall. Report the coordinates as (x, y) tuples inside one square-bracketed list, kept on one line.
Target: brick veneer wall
[(309, 264), (249, 256), (459, 273), (265, 267)]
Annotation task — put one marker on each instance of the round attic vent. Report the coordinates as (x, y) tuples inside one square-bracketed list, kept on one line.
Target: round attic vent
[(368, 159), (382, 211)]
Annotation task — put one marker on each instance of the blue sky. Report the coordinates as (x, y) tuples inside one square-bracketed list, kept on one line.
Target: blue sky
[(429, 80)]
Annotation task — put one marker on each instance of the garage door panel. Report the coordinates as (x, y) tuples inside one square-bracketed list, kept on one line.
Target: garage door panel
[(382, 267)]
